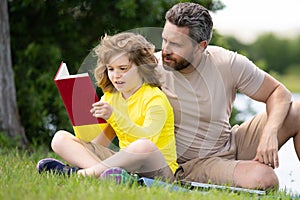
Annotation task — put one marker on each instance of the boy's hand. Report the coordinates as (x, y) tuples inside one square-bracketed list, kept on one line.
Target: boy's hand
[(102, 110)]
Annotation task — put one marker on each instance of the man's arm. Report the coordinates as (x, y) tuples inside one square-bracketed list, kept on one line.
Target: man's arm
[(278, 101)]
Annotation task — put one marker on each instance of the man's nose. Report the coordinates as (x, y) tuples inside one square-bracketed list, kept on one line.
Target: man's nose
[(166, 48)]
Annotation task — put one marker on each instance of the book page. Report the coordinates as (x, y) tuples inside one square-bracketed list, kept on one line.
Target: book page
[(63, 73)]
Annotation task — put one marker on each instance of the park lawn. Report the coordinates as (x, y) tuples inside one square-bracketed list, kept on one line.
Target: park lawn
[(20, 180)]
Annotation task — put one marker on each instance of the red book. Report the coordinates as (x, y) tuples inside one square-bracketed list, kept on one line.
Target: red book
[(78, 94)]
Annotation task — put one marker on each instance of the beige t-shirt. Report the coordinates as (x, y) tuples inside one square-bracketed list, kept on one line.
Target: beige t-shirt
[(202, 100)]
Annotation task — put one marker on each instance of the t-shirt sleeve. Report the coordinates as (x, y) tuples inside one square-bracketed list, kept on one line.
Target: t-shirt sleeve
[(246, 75)]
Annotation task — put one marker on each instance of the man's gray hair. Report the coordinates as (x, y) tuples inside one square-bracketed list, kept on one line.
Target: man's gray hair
[(195, 17)]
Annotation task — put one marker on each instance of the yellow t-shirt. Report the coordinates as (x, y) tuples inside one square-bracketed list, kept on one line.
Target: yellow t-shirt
[(145, 114)]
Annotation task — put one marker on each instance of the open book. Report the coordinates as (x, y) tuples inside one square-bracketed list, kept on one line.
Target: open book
[(78, 94)]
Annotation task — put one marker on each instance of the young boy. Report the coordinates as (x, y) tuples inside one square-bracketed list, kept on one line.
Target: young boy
[(136, 111)]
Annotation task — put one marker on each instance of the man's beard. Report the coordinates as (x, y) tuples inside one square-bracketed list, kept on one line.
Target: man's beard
[(176, 65)]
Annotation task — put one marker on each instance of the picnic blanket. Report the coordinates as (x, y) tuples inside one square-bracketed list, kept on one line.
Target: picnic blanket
[(188, 186)]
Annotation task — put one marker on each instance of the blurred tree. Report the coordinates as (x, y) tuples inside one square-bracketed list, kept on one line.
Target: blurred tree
[(9, 114), (294, 52), (247, 50), (272, 49)]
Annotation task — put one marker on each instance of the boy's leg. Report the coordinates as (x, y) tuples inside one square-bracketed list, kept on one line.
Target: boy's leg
[(141, 157), (77, 152)]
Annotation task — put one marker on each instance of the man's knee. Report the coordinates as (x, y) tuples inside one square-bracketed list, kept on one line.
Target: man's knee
[(266, 178), (255, 175), (292, 122), (296, 110)]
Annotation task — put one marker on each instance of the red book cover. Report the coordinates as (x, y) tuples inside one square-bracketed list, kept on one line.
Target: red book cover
[(78, 94)]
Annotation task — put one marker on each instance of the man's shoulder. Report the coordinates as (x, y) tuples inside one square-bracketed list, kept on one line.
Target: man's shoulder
[(212, 49), (220, 56)]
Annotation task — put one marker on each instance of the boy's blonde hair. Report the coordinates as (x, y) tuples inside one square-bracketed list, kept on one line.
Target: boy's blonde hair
[(139, 51)]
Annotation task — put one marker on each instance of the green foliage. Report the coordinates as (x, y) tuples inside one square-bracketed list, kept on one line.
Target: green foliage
[(269, 47), (275, 55), (8, 142), (38, 100), (290, 78), (46, 32), (233, 118), (270, 52)]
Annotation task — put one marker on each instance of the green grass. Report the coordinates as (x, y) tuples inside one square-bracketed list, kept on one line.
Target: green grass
[(20, 180)]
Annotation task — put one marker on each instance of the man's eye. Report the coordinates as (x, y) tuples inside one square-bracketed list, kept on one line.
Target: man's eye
[(175, 44)]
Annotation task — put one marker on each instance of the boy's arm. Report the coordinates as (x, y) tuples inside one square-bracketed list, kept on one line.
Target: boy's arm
[(106, 137)]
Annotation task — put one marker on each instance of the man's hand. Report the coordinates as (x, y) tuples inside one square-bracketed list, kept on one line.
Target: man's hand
[(267, 150), (102, 110), (278, 101)]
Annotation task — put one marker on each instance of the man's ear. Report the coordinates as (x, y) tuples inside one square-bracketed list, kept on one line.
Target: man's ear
[(203, 44)]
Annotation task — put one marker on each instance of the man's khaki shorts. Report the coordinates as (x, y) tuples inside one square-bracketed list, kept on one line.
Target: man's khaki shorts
[(219, 168)]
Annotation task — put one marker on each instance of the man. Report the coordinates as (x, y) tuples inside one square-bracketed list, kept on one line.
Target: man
[(201, 82)]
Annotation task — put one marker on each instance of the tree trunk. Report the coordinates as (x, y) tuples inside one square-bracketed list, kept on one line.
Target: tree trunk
[(9, 116)]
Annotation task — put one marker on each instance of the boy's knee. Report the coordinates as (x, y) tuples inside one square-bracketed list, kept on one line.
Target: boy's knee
[(143, 146), (59, 138)]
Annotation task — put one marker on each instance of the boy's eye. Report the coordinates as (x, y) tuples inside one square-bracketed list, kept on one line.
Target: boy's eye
[(121, 68), (124, 68)]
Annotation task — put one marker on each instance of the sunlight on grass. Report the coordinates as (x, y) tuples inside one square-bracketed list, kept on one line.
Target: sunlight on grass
[(20, 180)]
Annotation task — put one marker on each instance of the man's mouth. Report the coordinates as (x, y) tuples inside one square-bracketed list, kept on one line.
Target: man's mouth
[(167, 59)]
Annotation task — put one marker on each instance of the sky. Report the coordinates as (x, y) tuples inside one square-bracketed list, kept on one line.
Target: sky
[(245, 19)]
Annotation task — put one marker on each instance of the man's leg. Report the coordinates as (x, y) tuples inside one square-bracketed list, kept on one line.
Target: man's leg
[(291, 128), (141, 157), (252, 174)]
